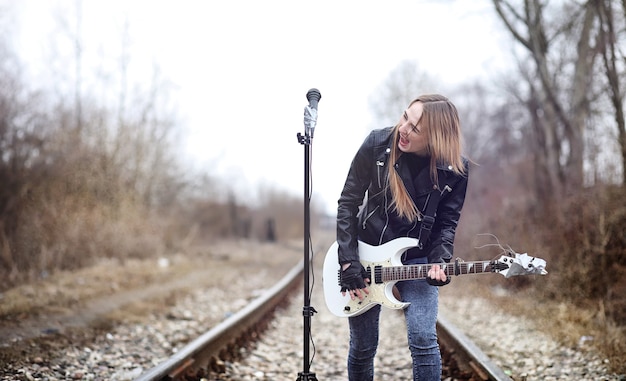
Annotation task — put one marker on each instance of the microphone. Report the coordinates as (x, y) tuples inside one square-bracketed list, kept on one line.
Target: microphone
[(310, 111), (313, 96)]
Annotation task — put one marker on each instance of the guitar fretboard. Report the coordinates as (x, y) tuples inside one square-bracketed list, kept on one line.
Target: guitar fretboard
[(394, 273)]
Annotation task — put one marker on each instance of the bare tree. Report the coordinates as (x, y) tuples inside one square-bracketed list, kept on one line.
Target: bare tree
[(613, 59), (74, 172), (403, 84), (74, 34), (79, 65), (559, 83)]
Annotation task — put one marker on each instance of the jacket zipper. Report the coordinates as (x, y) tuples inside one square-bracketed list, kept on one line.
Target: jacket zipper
[(380, 165)]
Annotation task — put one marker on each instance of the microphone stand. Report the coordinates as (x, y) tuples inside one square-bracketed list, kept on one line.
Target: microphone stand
[(310, 119)]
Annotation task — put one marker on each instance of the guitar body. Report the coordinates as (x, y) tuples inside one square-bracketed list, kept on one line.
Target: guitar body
[(385, 255)]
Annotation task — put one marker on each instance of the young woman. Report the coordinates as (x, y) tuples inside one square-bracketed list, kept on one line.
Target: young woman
[(398, 177)]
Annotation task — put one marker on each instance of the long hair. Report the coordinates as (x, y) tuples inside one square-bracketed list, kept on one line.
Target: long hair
[(441, 125)]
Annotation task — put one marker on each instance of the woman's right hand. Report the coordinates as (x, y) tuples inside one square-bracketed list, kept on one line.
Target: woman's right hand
[(354, 280)]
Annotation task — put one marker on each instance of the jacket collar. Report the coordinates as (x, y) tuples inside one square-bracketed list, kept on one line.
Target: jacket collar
[(425, 183)]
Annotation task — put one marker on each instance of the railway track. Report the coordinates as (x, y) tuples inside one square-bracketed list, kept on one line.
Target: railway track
[(207, 354)]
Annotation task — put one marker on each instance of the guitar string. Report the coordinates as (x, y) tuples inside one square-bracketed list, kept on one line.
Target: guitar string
[(421, 271)]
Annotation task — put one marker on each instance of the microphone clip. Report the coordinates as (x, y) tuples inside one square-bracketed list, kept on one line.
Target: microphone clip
[(310, 120)]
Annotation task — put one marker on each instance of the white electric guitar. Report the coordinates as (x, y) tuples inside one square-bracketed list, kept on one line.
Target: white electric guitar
[(385, 268)]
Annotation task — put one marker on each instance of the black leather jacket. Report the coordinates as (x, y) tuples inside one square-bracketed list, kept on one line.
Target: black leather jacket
[(365, 205)]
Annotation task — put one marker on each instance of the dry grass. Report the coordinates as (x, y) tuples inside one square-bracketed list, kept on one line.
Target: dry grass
[(575, 326), (583, 297), (66, 289)]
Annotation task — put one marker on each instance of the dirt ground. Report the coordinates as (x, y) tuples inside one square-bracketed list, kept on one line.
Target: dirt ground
[(73, 307)]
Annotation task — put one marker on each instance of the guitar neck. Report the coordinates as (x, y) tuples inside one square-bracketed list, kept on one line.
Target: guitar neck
[(407, 272)]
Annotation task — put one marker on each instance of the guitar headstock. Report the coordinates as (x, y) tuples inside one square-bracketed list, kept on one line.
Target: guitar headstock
[(513, 264)]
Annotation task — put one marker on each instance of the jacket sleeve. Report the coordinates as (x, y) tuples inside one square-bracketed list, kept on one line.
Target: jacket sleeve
[(352, 195), (448, 215)]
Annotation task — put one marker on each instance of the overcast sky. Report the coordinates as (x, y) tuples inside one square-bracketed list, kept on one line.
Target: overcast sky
[(241, 69)]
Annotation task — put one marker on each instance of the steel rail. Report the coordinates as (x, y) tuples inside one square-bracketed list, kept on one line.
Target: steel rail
[(201, 352), (459, 353), (465, 354)]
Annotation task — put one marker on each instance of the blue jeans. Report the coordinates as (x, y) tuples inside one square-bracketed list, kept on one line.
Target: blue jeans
[(421, 320)]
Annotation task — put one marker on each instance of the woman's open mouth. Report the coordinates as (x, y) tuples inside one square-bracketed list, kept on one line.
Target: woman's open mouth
[(403, 141)]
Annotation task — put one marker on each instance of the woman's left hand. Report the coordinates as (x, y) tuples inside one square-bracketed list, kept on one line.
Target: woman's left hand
[(437, 273), (437, 276)]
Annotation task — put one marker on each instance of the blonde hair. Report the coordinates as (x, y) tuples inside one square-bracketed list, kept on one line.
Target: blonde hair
[(441, 125)]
